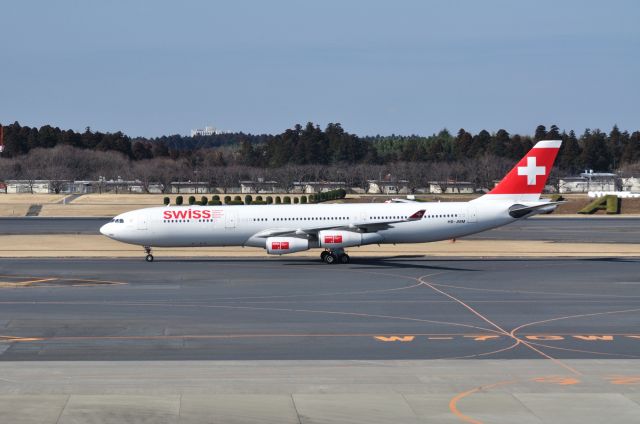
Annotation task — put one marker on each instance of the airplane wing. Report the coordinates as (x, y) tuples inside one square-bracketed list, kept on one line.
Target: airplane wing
[(367, 227)]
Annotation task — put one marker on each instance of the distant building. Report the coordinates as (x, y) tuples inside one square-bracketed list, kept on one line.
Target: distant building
[(589, 181), (28, 186), (631, 184), (190, 187), (206, 131), (388, 187), (451, 187), (312, 187), (260, 186)]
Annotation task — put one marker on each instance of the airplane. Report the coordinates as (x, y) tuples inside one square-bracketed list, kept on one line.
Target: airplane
[(283, 229)]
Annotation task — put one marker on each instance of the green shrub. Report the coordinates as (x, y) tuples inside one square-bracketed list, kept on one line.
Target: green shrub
[(312, 198), (179, 200), (227, 200), (303, 199), (296, 200), (166, 201), (258, 202), (269, 200), (278, 200), (216, 198), (286, 200), (237, 199), (259, 199), (248, 199), (192, 200), (204, 200), (214, 202)]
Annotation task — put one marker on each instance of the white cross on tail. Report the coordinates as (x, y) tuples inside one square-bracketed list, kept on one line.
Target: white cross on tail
[(531, 170)]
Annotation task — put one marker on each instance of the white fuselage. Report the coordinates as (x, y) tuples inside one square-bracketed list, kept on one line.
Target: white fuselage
[(184, 226)]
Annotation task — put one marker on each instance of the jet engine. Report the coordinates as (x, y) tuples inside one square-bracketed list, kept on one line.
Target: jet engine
[(284, 245), (335, 239)]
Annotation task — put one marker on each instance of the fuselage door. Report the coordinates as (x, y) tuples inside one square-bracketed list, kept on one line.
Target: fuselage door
[(142, 222), (231, 217), (471, 214)]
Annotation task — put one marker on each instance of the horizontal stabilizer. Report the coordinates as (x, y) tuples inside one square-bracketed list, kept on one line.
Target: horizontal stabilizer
[(520, 211)]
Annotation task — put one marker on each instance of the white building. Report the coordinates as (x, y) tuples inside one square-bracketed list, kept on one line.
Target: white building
[(312, 187), (190, 187), (588, 181), (631, 184), (260, 186), (28, 186), (206, 131), (388, 187), (451, 187)]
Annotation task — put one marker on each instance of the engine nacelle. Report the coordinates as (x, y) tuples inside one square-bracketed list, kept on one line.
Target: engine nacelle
[(284, 245), (335, 238)]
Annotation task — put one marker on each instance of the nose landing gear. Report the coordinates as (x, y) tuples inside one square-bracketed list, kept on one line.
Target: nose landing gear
[(334, 256), (149, 257)]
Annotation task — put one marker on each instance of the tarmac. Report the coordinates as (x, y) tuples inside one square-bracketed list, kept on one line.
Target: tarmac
[(294, 340), (302, 309)]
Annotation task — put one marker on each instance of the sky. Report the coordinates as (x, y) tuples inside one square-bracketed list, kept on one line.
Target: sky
[(152, 68)]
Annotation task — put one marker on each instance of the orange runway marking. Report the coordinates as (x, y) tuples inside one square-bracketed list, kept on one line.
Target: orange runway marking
[(503, 331), (624, 380), (504, 349), (25, 283), (532, 292), (395, 338), (19, 339), (453, 403), (584, 351), (212, 336), (557, 379)]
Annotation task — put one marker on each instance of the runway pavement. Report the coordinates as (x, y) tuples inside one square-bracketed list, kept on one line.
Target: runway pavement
[(296, 341), (302, 309), (560, 229)]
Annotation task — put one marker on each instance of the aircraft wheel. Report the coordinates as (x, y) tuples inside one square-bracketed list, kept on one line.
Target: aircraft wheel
[(344, 259), (330, 258), (149, 258), (323, 255)]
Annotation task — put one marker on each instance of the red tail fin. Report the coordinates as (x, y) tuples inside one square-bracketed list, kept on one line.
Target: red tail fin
[(527, 179)]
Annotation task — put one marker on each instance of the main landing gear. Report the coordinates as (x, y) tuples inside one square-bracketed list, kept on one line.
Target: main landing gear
[(334, 256), (149, 257)]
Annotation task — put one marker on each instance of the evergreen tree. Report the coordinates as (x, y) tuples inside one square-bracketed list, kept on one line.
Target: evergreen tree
[(569, 155), (595, 154), (541, 133), (553, 134), (499, 143)]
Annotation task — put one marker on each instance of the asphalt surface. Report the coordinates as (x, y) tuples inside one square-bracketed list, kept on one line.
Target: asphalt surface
[(565, 229), (42, 225), (300, 309)]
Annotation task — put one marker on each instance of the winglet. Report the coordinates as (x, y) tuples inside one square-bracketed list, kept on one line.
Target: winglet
[(418, 215)]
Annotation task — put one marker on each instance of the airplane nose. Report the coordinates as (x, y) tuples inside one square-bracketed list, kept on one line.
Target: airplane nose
[(103, 230)]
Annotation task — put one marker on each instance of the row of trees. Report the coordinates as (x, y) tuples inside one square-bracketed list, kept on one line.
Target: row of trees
[(64, 163), (310, 145)]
